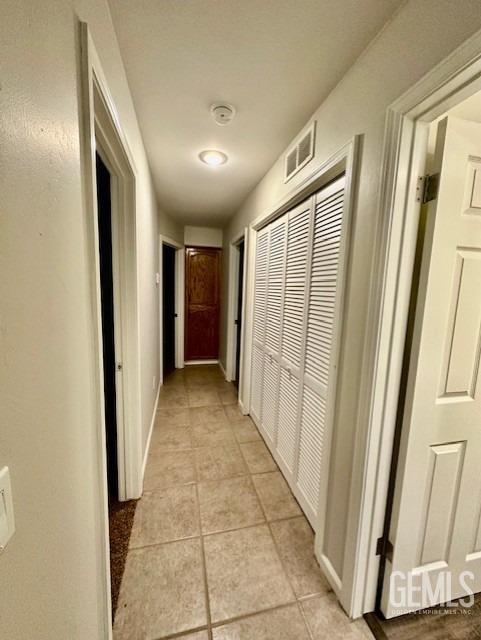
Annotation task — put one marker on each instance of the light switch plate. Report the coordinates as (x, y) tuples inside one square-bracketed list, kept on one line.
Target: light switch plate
[(7, 521)]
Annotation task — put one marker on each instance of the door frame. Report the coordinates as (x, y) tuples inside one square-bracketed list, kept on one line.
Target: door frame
[(99, 123), (179, 302), (233, 289), (404, 157), (344, 161)]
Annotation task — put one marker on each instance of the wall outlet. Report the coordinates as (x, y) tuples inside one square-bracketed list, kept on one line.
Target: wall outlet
[(157, 278), (154, 383)]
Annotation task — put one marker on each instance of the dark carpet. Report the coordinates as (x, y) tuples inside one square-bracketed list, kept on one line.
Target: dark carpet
[(121, 519), (438, 623)]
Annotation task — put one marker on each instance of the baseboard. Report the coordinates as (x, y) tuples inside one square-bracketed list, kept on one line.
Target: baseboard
[(245, 412), (223, 370), (189, 363), (151, 430)]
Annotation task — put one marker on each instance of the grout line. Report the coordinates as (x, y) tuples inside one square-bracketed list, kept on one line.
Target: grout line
[(221, 623), (204, 566), (183, 634), (306, 624)]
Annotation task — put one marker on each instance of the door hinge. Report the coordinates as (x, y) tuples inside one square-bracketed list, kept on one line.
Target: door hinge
[(427, 188), (384, 548)]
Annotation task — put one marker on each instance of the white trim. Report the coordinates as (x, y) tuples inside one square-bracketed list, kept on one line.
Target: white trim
[(179, 303), (99, 120), (151, 430), (223, 370), (233, 295), (454, 79), (190, 363)]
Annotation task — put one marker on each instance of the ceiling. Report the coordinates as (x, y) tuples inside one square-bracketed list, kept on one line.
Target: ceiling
[(274, 60)]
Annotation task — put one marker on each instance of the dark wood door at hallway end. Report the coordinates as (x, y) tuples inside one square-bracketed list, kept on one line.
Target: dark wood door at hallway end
[(202, 277)]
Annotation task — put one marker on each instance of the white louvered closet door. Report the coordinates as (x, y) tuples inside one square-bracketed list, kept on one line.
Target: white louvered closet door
[(296, 313), (320, 349), (260, 297), (293, 321), (273, 325)]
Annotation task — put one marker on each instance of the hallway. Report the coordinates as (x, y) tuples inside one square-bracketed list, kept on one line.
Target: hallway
[(217, 536)]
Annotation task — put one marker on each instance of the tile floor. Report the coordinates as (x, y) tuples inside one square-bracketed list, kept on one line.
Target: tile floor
[(220, 549)]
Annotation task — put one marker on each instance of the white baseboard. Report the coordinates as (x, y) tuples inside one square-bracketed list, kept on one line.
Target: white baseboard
[(223, 371), (245, 411), (189, 363), (147, 446)]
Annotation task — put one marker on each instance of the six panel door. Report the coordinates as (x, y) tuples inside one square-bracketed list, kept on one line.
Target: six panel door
[(436, 525)]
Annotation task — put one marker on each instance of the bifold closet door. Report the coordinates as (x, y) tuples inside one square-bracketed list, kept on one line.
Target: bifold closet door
[(273, 324), (323, 316), (260, 298), (293, 329), (296, 318)]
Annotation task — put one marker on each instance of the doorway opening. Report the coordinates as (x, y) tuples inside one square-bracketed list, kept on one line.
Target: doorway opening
[(430, 562), (104, 212), (239, 311), (168, 309), (235, 312)]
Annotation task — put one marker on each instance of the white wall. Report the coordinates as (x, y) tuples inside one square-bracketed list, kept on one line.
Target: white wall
[(50, 587), (202, 237), (419, 36)]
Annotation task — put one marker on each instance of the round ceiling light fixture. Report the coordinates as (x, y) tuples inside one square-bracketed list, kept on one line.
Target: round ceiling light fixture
[(213, 158)]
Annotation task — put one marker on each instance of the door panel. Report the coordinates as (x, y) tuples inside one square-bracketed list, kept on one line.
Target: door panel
[(260, 303), (435, 525), (202, 302)]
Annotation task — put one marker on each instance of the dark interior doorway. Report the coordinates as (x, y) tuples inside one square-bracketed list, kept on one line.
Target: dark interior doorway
[(168, 308), (121, 514), (108, 339), (238, 321)]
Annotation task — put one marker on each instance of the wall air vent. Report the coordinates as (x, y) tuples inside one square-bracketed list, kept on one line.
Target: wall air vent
[(301, 153)]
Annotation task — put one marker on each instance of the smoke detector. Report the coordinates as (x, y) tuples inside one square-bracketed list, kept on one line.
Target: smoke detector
[(223, 114)]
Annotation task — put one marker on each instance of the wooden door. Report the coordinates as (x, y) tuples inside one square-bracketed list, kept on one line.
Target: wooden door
[(436, 524), (202, 303)]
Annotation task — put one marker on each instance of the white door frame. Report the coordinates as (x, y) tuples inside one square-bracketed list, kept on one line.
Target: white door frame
[(179, 301), (407, 125), (100, 123), (234, 266)]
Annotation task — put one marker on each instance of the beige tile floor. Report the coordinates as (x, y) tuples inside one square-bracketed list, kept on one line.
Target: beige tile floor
[(220, 549)]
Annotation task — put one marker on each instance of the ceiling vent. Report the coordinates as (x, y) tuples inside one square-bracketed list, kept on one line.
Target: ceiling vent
[(301, 153)]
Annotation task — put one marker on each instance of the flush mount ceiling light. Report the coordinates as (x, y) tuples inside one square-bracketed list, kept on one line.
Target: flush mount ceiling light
[(213, 158)]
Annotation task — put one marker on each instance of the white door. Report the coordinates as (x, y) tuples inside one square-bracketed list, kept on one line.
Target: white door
[(435, 530), (293, 336), (297, 310), (260, 298), (323, 317), (273, 323)]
